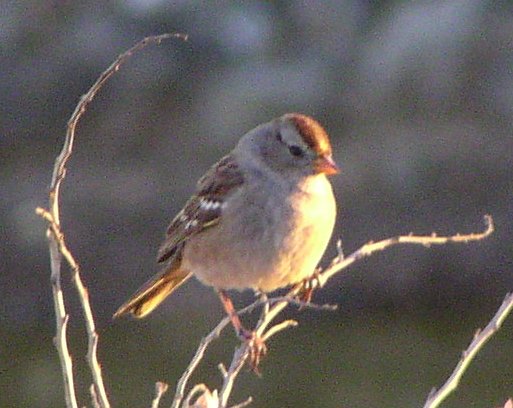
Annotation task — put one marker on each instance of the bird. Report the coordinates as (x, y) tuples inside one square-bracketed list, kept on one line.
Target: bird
[(261, 218)]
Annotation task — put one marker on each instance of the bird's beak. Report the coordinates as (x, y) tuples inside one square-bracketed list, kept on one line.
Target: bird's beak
[(325, 164)]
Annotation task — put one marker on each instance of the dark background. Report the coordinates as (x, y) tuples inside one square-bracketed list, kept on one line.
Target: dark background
[(418, 100)]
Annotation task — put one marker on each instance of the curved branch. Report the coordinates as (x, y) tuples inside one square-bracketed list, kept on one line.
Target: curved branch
[(58, 246)]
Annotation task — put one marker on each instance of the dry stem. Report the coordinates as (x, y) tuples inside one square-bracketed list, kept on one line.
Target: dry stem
[(58, 247), (200, 352), (160, 389), (340, 262), (436, 397), (61, 318)]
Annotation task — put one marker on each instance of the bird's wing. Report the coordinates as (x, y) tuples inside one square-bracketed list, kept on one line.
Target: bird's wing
[(203, 210)]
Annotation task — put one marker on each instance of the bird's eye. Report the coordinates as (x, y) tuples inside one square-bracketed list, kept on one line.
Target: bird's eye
[(296, 151), (278, 137)]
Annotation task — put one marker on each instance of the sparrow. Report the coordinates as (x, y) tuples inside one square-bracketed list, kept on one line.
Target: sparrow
[(261, 218)]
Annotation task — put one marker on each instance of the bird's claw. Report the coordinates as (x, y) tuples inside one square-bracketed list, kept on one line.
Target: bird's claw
[(257, 348), (307, 287)]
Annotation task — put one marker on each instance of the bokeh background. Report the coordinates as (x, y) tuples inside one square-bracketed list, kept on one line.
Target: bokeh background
[(418, 99)]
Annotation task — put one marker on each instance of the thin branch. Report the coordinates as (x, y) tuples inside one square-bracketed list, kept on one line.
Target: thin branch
[(301, 304), (273, 306), (60, 163), (200, 352), (61, 323), (92, 336), (206, 399), (278, 328), (239, 359), (160, 389), (435, 398), (94, 397), (339, 263), (58, 247)]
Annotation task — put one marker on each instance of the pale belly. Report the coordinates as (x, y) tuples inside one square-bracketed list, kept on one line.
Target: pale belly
[(266, 255)]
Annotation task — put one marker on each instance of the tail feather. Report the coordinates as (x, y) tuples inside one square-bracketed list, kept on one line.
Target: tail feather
[(153, 292)]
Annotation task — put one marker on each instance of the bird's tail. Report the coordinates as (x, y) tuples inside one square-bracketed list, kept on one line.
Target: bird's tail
[(153, 292)]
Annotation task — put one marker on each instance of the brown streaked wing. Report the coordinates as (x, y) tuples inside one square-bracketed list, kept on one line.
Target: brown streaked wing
[(203, 209)]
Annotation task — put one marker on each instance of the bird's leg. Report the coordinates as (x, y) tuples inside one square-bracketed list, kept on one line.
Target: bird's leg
[(232, 314), (257, 347)]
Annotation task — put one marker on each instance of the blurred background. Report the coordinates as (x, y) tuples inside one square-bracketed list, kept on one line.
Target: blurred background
[(418, 100)]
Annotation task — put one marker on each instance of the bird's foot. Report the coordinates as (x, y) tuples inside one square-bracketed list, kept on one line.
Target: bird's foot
[(256, 345), (307, 287)]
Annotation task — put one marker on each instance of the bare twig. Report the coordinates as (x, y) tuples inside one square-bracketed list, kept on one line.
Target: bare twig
[(61, 320), (92, 336), (278, 328), (206, 399), (182, 383), (273, 306), (58, 247), (239, 359), (428, 240), (436, 397), (60, 163), (94, 397), (160, 389), (301, 304)]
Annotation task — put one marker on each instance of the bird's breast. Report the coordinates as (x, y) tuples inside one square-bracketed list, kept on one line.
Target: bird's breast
[(265, 241)]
